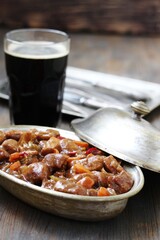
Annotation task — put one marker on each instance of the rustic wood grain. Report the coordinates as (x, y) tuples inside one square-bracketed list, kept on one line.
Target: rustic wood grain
[(127, 56), (118, 16)]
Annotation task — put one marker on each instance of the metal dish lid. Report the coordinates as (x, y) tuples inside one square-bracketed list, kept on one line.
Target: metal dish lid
[(123, 134)]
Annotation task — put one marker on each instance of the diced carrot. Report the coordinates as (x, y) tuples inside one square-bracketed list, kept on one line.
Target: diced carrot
[(80, 168), (81, 144), (86, 182), (17, 155), (102, 191), (15, 166)]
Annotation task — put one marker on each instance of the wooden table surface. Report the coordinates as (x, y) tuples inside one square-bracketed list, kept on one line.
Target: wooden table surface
[(136, 57)]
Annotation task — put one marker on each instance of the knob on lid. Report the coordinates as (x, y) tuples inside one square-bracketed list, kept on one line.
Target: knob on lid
[(125, 135)]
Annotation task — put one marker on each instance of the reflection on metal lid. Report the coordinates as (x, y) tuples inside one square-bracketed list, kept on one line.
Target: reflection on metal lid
[(119, 133)]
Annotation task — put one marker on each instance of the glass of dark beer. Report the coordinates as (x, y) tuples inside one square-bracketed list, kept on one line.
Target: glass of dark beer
[(36, 61)]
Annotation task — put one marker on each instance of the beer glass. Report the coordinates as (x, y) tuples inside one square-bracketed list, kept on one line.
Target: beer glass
[(36, 61)]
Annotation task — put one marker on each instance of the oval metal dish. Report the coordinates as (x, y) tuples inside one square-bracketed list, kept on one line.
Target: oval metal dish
[(86, 208)]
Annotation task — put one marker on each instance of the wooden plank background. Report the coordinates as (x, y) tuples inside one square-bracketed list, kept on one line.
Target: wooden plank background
[(115, 16)]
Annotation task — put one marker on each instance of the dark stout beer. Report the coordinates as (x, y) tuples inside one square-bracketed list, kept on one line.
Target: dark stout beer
[(36, 80)]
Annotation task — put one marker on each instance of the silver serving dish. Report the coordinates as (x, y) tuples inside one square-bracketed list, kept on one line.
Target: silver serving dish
[(124, 134), (86, 208)]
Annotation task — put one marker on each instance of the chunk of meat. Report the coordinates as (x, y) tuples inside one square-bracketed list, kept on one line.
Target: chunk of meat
[(95, 162), (10, 145), (56, 161), (46, 135), (121, 182), (112, 165), (35, 172), (69, 186), (102, 178), (48, 183), (92, 163), (14, 134), (50, 145), (68, 145), (3, 154)]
